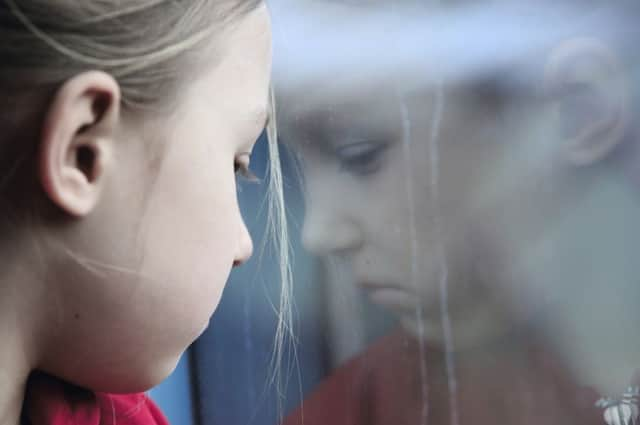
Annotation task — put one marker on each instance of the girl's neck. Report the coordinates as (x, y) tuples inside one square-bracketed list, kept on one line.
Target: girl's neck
[(18, 315), (14, 370), (12, 390)]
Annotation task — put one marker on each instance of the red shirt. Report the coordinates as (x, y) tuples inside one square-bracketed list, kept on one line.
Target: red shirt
[(52, 402), (385, 386)]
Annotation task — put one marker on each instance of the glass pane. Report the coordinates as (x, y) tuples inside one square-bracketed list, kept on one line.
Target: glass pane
[(471, 196)]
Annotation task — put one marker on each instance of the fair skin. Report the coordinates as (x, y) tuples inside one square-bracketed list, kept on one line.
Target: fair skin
[(153, 241), (520, 193)]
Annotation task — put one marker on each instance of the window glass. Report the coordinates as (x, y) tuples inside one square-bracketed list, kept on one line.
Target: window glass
[(471, 198)]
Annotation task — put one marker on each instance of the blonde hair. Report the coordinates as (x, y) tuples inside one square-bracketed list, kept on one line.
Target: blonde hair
[(144, 45), (277, 232)]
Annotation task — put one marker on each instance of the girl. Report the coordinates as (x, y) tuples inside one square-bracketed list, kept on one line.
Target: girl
[(477, 178), (122, 126)]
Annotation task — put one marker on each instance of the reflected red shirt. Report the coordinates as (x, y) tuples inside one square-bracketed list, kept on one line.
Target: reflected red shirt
[(397, 382), (52, 402)]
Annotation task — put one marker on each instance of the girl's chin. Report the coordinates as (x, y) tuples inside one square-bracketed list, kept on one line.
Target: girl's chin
[(155, 377)]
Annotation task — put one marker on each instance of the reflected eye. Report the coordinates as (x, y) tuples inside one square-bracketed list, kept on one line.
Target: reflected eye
[(361, 158)]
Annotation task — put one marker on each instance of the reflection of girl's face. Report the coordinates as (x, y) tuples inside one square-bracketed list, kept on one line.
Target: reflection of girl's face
[(369, 171)]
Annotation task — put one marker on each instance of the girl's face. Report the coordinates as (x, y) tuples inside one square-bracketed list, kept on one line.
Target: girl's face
[(168, 231), (403, 214)]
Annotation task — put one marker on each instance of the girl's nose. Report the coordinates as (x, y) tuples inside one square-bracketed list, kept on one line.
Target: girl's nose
[(245, 246)]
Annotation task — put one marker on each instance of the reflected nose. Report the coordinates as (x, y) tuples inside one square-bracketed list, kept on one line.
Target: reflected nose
[(245, 246), (327, 231)]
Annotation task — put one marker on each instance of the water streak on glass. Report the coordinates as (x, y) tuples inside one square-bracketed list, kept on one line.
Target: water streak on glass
[(415, 251)]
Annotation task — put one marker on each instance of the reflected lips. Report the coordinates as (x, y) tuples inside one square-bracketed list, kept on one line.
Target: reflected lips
[(393, 297)]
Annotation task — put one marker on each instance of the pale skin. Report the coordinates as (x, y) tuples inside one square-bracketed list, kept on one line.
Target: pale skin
[(110, 296), (523, 188)]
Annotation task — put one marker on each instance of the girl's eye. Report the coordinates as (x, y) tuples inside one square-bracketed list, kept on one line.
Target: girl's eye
[(361, 158)]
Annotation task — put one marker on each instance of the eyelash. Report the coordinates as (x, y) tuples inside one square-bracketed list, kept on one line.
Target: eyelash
[(242, 171)]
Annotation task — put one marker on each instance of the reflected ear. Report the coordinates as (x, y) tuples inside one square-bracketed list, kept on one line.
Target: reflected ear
[(77, 141), (589, 86)]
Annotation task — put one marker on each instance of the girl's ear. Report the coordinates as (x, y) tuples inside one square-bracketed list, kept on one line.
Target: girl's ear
[(589, 87), (77, 141)]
